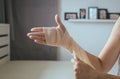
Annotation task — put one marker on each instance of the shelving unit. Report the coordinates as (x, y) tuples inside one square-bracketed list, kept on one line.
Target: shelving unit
[(4, 43), (91, 21)]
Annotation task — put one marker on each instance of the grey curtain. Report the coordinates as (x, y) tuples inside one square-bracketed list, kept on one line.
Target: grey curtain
[(23, 15), (2, 12)]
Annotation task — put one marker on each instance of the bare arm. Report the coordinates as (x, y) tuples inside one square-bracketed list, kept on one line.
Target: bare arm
[(110, 52), (108, 55)]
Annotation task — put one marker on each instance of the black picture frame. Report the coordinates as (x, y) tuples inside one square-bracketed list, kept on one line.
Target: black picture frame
[(70, 15), (102, 14), (92, 12), (82, 13), (113, 16)]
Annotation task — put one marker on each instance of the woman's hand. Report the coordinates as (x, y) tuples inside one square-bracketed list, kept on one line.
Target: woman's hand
[(53, 36), (84, 71)]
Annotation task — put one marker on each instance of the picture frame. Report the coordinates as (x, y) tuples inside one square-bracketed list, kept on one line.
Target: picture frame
[(92, 12), (70, 15), (113, 16), (82, 13), (102, 14)]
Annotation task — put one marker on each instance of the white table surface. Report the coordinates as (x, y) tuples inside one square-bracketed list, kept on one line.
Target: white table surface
[(37, 70)]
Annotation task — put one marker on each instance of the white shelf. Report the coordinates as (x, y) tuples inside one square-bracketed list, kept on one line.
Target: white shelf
[(92, 21)]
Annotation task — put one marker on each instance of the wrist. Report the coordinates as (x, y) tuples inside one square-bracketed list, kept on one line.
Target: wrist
[(69, 44)]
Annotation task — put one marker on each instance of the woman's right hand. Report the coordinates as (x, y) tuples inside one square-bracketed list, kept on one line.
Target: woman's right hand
[(83, 70), (53, 36)]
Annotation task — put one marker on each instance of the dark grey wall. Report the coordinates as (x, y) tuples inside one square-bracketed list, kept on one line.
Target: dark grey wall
[(28, 14)]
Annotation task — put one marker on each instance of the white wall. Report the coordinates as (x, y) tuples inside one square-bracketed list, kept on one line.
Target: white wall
[(90, 36)]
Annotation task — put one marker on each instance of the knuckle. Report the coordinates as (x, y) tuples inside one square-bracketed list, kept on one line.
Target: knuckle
[(77, 63), (75, 69)]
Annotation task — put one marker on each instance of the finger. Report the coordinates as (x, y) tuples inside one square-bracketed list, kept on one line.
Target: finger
[(37, 29), (36, 33), (40, 41), (59, 23), (35, 37), (76, 67), (76, 62), (75, 57), (73, 60)]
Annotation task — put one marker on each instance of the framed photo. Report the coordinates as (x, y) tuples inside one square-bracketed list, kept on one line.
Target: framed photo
[(82, 13), (70, 15), (114, 15), (102, 13), (92, 12)]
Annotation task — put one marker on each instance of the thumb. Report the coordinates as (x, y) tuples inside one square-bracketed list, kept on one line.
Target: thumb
[(59, 23)]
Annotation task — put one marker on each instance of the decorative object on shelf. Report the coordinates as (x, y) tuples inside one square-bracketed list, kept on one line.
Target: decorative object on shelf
[(82, 13), (92, 12), (70, 15), (113, 15), (102, 13)]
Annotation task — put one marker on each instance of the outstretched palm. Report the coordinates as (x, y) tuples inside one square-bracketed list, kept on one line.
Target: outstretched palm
[(53, 36)]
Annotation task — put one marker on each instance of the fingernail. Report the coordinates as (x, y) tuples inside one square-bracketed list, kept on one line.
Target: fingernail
[(28, 34)]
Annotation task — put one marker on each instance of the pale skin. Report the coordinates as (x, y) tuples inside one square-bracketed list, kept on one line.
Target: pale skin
[(97, 66)]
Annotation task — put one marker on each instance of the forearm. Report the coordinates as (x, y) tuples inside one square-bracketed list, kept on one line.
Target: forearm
[(107, 76), (111, 50), (85, 56)]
